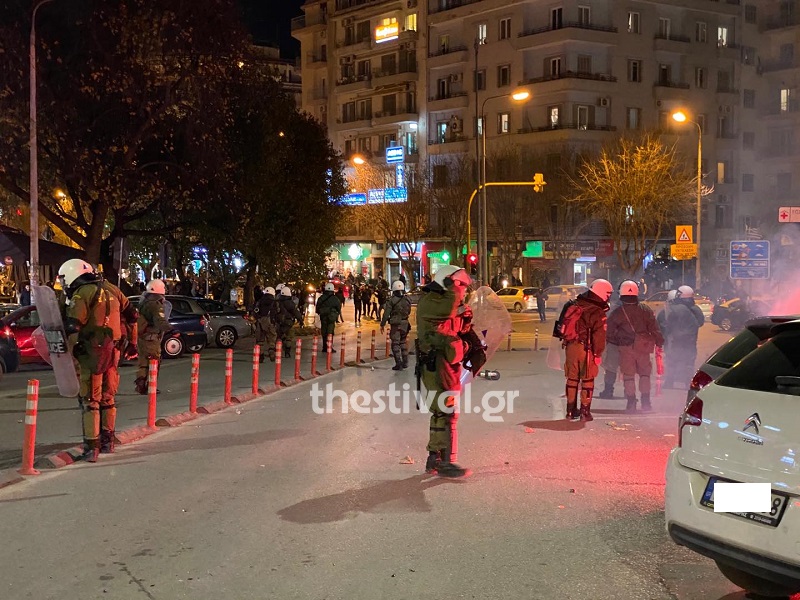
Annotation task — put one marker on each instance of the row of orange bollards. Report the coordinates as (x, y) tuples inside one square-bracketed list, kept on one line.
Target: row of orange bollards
[(29, 443)]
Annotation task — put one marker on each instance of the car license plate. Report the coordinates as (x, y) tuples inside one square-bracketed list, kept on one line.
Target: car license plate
[(771, 518)]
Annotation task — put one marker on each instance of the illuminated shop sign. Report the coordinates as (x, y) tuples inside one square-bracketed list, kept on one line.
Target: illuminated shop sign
[(387, 31)]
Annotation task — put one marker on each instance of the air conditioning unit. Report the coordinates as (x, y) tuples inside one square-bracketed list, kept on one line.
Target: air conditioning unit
[(455, 78), (456, 125), (604, 101), (411, 3), (726, 109)]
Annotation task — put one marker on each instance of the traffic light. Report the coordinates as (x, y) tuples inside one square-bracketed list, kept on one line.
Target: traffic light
[(472, 263)]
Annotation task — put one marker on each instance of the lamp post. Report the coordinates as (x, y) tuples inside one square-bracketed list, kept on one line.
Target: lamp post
[(681, 117), (483, 229), (32, 143)]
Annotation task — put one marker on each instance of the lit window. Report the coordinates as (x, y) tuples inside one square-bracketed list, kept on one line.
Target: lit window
[(411, 22), (722, 37), (482, 33), (503, 123), (553, 116), (634, 22)]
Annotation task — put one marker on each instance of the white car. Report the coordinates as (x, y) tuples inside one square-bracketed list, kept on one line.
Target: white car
[(518, 298), (744, 428)]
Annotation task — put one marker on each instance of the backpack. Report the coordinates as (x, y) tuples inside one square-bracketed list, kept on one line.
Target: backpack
[(566, 327)]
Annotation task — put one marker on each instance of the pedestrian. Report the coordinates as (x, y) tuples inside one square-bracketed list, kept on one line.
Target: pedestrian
[(381, 297), (683, 323), (643, 288), (541, 304), (100, 321), (266, 312), (635, 329), (286, 316), (152, 324), (366, 300), (446, 341), (328, 308), (340, 296), (257, 293), (395, 312), (402, 279), (582, 331), (357, 306), (25, 296)]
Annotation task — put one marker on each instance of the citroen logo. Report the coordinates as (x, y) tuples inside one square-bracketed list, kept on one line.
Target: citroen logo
[(753, 421)]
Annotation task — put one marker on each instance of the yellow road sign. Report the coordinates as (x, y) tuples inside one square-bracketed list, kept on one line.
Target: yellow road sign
[(684, 234), (683, 251)]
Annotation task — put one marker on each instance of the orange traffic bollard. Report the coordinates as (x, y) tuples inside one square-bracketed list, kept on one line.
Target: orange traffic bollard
[(278, 359), (372, 346), (194, 380), (536, 339), (330, 353), (152, 391), (29, 445), (228, 375), (256, 366), (358, 348), (314, 350), (341, 353), (297, 353)]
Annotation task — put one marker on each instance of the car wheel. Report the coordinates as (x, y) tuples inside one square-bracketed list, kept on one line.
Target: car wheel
[(173, 347), (226, 337), (725, 324), (517, 307), (754, 584)]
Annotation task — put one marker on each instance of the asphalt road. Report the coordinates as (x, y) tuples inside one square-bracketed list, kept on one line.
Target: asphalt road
[(271, 500)]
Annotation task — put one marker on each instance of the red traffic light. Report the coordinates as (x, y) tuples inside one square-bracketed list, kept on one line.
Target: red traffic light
[(472, 259)]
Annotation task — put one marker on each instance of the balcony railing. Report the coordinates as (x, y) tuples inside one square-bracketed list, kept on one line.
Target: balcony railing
[(352, 79), (567, 24), (447, 96), (779, 22), (673, 38), (395, 71), (303, 21), (450, 139), (446, 51), (317, 58), (444, 5), (355, 118), (672, 84), (577, 126), (342, 5), (726, 89), (777, 65), (571, 75)]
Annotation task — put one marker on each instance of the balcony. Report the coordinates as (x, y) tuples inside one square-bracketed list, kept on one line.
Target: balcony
[(362, 121), (452, 143), (726, 89), (348, 5), (315, 61), (670, 43), (449, 101), (355, 82), (544, 36), (779, 22), (575, 126), (769, 66), (571, 75), (569, 25), (390, 117), (306, 21), (665, 83), (776, 109), (448, 56), (444, 5), (396, 75)]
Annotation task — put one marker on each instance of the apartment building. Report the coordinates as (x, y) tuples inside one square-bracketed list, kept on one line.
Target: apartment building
[(287, 72), (595, 69)]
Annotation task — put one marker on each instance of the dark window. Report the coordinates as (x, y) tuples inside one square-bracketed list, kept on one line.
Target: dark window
[(749, 99), (748, 139), (740, 346), (211, 306), (750, 14), (181, 306), (780, 357), (747, 182), (440, 176)]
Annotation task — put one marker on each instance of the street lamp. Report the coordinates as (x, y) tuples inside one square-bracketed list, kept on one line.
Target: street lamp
[(483, 229), (32, 143), (359, 160), (680, 117)]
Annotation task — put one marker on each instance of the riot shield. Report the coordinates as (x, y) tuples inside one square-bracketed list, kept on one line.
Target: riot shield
[(490, 320), (53, 340), (167, 309)]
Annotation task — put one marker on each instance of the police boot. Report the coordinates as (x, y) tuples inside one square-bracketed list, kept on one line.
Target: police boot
[(432, 464), (398, 365), (141, 385), (646, 406), (448, 469), (572, 411), (272, 354), (606, 394), (91, 450), (107, 441), (262, 357), (631, 407), (586, 412)]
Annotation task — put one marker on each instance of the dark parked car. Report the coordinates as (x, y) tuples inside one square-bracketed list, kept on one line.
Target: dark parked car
[(23, 322), (731, 315), (195, 329), (9, 352)]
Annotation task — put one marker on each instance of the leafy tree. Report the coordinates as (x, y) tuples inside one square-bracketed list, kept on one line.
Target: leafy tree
[(638, 188)]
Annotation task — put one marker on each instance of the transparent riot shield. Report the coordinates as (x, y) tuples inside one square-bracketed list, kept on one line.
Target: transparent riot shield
[(50, 340), (490, 320)]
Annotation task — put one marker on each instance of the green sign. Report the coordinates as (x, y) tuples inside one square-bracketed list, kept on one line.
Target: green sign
[(533, 250), (442, 256)]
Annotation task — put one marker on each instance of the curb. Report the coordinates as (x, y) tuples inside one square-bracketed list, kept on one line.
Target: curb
[(131, 435), (61, 459), (247, 396), (10, 478), (175, 420), (208, 409)]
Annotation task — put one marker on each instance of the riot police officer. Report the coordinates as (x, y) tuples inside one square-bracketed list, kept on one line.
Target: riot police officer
[(153, 325), (396, 311)]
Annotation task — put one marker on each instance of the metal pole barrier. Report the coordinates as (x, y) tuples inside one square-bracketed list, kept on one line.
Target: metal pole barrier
[(278, 359), (195, 380), (152, 390), (508, 344), (388, 344), (228, 374), (314, 350), (330, 353), (372, 346), (358, 348), (29, 445), (341, 353), (297, 353), (256, 364), (536, 339)]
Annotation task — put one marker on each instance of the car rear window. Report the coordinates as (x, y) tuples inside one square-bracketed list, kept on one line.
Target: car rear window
[(757, 371), (735, 350), (529, 291)]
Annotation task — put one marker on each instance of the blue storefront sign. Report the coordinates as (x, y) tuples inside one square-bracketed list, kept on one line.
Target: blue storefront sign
[(354, 199), (379, 196), (395, 154), (750, 259)]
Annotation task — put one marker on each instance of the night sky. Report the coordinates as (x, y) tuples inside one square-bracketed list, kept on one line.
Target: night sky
[(269, 22)]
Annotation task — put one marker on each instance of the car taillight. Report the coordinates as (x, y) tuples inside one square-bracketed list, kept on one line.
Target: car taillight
[(7, 332), (700, 380), (526, 297), (692, 416), (203, 322)]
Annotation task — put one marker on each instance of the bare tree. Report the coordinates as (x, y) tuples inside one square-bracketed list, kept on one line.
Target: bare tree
[(450, 193), (637, 187)]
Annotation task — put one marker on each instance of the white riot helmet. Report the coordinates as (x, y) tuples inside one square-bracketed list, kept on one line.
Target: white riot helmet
[(329, 287), (398, 286), (269, 290), (156, 286), (279, 287), (286, 291), (628, 288), (453, 274), (74, 268), (603, 289), (671, 295), (685, 292)]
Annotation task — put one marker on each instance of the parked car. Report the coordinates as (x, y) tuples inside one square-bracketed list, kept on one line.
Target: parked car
[(194, 327), (743, 428), (9, 352), (23, 322), (228, 323), (732, 314), (518, 298), (659, 299), (559, 295), (755, 333)]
